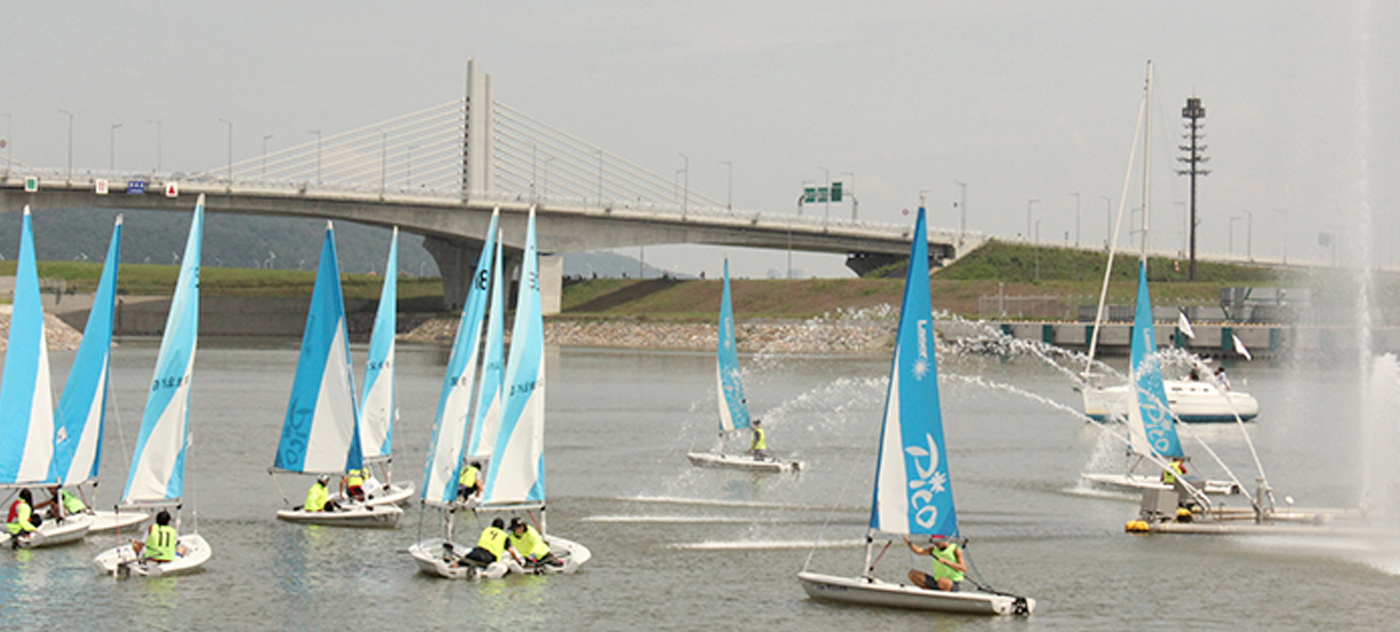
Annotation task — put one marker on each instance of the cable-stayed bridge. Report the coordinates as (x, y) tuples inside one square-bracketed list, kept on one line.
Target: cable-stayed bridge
[(440, 172)]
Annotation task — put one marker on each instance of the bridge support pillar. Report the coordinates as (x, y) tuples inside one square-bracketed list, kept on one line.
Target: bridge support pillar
[(456, 259)]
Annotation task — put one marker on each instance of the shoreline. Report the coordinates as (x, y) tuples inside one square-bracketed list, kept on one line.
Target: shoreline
[(813, 336)]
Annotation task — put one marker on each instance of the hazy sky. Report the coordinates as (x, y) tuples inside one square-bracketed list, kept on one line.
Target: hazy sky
[(1020, 99)]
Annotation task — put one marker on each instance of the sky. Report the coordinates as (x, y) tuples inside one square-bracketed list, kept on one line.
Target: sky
[(1028, 102)]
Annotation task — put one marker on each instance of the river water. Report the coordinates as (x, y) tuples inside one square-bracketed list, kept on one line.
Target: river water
[(678, 548)]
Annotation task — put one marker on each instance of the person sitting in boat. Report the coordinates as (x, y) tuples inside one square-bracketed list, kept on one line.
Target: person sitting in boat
[(948, 565), (318, 498), (471, 482), (1222, 379), (162, 542), (61, 503), (1177, 467), (22, 521), (353, 484), (493, 543), (527, 542), (759, 448)]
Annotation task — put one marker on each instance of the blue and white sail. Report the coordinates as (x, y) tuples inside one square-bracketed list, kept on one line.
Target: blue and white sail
[(319, 434), (157, 474), (1151, 428), (26, 394), (377, 406), (733, 407), (82, 408), (444, 465), (913, 493), (516, 473), (489, 403)]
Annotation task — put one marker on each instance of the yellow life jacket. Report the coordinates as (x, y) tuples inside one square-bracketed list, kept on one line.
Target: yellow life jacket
[(950, 555), (468, 478), (530, 544), (493, 540), (355, 478), (316, 497), (760, 439), (160, 543)]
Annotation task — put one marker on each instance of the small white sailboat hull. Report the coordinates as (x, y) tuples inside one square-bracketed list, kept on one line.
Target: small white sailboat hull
[(394, 494), (108, 521), (572, 554), (358, 516), (433, 559), (53, 533), (742, 462), (1136, 483), (121, 562), (876, 592), (1189, 401)]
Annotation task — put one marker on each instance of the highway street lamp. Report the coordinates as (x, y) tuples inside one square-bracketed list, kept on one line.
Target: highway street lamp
[(70, 141), (962, 211), (1076, 217), (112, 148), (230, 150), (685, 200), (729, 201), (1249, 236), (828, 192), (1029, 203), (9, 142), (1108, 222), (851, 191), (156, 122), (1037, 250), (317, 132), (1232, 233)]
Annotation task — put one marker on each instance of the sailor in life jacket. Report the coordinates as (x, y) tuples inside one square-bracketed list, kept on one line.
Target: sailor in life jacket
[(318, 498), (528, 542), (759, 449), (61, 503), (22, 520), (471, 482), (162, 542), (949, 566), (493, 543), (355, 484)]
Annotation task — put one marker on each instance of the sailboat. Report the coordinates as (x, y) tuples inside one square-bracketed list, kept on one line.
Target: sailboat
[(441, 555), (733, 407), (321, 433), (82, 408), (1150, 420), (515, 479), (913, 491), (26, 402), (157, 475), (378, 410)]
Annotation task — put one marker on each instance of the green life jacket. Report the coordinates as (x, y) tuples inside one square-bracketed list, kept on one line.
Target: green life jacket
[(493, 540), (316, 497), (160, 543), (943, 571), (468, 478), (71, 503), (530, 544), (760, 439)]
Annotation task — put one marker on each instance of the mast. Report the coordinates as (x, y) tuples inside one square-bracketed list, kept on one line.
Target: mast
[(1146, 159)]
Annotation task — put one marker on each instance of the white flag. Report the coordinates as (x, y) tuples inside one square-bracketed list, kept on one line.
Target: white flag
[(1240, 348), (1184, 325)]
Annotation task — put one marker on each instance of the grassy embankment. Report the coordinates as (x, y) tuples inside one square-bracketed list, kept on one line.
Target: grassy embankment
[(1073, 276)]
